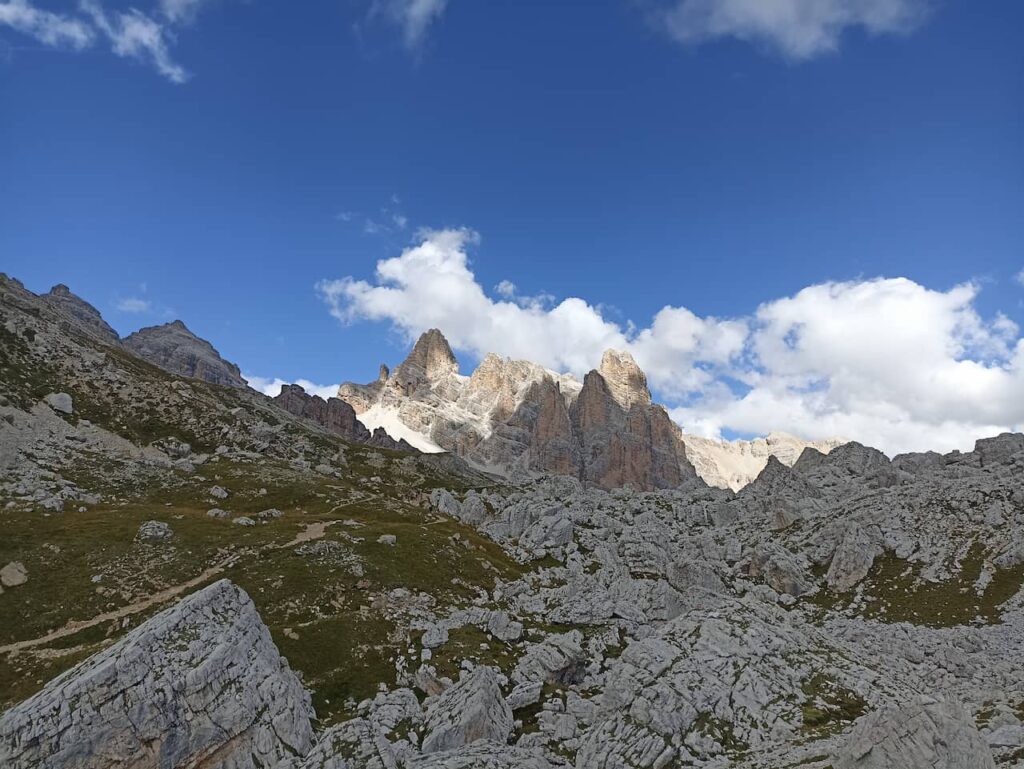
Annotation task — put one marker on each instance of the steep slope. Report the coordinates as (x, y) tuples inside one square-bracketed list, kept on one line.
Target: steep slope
[(81, 313), (174, 348)]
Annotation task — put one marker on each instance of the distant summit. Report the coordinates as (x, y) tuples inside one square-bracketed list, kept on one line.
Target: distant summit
[(83, 314), (514, 416), (174, 348)]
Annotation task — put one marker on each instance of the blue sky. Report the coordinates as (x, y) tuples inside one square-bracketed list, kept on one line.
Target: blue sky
[(216, 160)]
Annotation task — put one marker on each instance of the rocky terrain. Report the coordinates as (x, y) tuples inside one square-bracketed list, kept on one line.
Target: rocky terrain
[(515, 416), (195, 575)]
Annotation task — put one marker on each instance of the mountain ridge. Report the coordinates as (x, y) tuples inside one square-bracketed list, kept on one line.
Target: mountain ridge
[(506, 417)]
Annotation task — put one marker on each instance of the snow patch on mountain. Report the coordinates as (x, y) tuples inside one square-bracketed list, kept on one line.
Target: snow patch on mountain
[(388, 418)]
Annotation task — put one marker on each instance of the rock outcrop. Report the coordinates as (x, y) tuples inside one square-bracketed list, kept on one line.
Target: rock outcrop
[(624, 439), (924, 734), (174, 348), (200, 684), (84, 316), (473, 709), (335, 416)]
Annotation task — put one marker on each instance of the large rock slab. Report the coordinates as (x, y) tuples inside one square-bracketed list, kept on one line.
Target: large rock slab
[(474, 709), (925, 734), (199, 685)]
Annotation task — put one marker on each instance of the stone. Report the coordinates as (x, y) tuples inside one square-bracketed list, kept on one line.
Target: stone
[(216, 512), (13, 574), (60, 402), (471, 710), (154, 531), (243, 520), (387, 539), (218, 492), (524, 695)]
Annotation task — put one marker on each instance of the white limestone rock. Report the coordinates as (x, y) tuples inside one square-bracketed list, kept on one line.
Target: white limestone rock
[(200, 684), (923, 734), (471, 710)]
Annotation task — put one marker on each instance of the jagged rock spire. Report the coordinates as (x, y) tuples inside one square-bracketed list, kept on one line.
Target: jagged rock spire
[(626, 382), (431, 360)]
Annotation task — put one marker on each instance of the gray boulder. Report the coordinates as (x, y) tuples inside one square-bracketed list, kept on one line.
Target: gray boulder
[(471, 710)]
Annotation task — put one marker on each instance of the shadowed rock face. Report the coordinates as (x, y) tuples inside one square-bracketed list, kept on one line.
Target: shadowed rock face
[(81, 313), (335, 415), (174, 348), (431, 360), (634, 445), (201, 684)]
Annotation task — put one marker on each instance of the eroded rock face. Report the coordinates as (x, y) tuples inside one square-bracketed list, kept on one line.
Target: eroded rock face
[(734, 464), (924, 734), (632, 445), (174, 348), (472, 710), (336, 416), (200, 684)]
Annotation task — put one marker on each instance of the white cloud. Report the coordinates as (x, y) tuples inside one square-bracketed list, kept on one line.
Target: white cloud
[(1019, 277), (506, 288), (52, 29), (412, 17), (181, 11), (798, 29), (272, 386), (131, 34), (134, 305), (135, 35), (888, 362)]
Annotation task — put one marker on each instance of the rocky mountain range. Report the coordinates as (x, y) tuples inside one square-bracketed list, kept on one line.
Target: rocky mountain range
[(513, 415), (197, 576)]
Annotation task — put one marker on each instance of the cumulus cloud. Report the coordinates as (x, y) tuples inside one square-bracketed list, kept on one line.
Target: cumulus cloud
[(1019, 277), (130, 34), (888, 362), (412, 17), (272, 386), (51, 29), (798, 29)]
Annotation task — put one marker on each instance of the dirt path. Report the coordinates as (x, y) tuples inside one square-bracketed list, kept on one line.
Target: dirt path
[(312, 531), (76, 626)]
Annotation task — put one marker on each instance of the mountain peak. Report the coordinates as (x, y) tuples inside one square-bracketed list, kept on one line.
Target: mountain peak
[(175, 348), (84, 315), (431, 359), (627, 383)]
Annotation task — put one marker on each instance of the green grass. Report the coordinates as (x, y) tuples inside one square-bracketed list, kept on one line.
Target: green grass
[(829, 708), (345, 647), (899, 594)]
